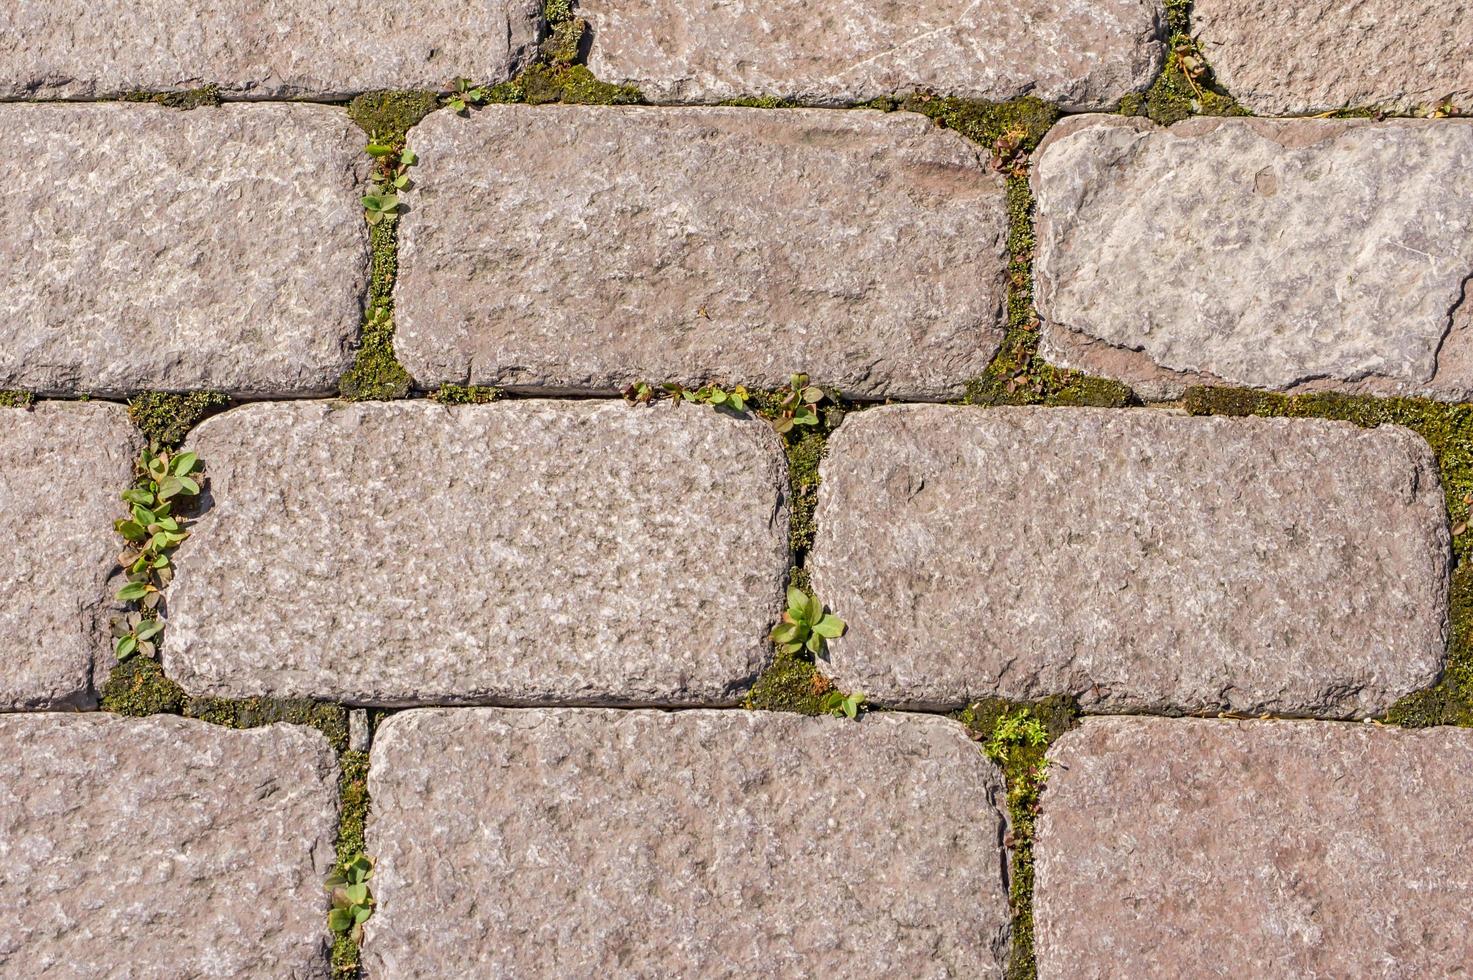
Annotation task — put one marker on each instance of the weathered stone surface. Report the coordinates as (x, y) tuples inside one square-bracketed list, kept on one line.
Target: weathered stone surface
[(1085, 55), (62, 466), (1281, 58), (151, 248), (1197, 848), (528, 551), (1140, 560), (1277, 254), (699, 843), (67, 49), (725, 244), (163, 847)]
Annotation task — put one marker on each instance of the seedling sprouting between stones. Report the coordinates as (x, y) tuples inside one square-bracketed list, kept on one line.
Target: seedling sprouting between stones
[(797, 404), (842, 705), (805, 625), (391, 163), (352, 903), (151, 531), (643, 393), (463, 95)]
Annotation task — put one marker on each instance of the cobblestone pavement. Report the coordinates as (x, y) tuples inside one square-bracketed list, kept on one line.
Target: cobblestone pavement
[(638, 488)]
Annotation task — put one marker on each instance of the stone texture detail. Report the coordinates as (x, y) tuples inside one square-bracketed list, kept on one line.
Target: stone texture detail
[(698, 843), (1141, 560), (1285, 254), (1189, 848), (525, 552), (1283, 58), (62, 466), (1085, 55), (163, 847), (725, 244), (69, 49), (151, 248)]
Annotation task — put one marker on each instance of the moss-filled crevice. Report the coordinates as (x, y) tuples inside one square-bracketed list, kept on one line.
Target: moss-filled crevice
[(1448, 429), (138, 687), (465, 395), (1186, 86), (352, 821), (11, 398), (1016, 735), (165, 418), (559, 73), (195, 98), (376, 374), (1017, 375)]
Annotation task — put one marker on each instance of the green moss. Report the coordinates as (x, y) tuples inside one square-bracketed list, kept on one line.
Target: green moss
[(137, 687), (352, 817), (805, 448), (329, 719), (1017, 375), (1448, 430), (376, 373), (1025, 774), (1186, 86), (465, 395), (1026, 119), (565, 45), (790, 683), (1450, 702), (388, 114), (207, 95), (165, 418), (17, 399), (557, 11), (540, 84), (760, 102)]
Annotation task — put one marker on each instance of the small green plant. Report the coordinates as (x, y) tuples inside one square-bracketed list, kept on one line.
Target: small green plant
[(735, 399), (842, 705), (797, 404), (134, 633), (17, 399), (1013, 730), (391, 163), (352, 902), (463, 95), (151, 531), (805, 625)]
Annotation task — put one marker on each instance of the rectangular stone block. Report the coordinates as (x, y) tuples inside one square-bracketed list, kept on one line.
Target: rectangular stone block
[(1291, 255), (1140, 560), (1205, 848), (520, 552), (76, 49), (843, 52), (1280, 59), (710, 244), (163, 847), (62, 466), (699, 843), (150, 248)]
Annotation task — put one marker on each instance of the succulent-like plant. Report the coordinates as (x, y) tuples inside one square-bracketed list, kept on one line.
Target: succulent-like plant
[(805, 625), (352, 902)]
